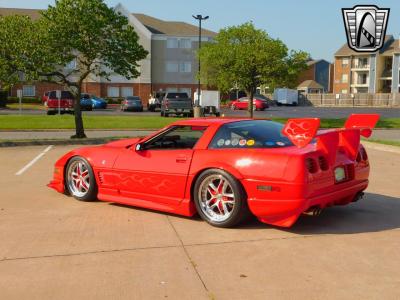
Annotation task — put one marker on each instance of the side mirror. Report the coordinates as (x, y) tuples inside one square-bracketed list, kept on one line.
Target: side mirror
[(138, 147)]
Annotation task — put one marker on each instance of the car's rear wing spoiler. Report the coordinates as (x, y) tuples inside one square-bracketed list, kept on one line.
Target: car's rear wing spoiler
[(302, 131)]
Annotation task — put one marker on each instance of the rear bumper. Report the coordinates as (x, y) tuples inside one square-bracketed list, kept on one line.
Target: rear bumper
[(61, 108), (178, 110), (284, 213)]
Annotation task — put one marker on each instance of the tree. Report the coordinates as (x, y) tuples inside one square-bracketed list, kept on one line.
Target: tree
[(16, 35), (246, 57), (96, 38)]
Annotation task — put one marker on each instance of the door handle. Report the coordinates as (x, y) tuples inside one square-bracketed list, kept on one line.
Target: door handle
[(181, 159)]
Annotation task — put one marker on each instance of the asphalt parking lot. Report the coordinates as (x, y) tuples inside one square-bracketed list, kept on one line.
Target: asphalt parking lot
[(54, 247), (273, 111)]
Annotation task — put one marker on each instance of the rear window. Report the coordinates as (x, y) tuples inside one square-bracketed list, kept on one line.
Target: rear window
[(133, 98), (64, 95), (250, 134), (177, 95)]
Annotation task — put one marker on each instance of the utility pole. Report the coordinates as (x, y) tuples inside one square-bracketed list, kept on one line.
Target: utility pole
[(197, 108)]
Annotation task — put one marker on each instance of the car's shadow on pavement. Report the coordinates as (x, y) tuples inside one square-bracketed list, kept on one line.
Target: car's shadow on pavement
[(372, 214)]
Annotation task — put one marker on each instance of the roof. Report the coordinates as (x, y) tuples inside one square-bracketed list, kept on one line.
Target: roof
[(155, 25), (34, 14), (173, 28), (315, 61), (345, 50), (310, 84)]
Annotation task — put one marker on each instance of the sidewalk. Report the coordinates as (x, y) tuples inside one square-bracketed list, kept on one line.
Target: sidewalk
[(66, 134), (381, 134)]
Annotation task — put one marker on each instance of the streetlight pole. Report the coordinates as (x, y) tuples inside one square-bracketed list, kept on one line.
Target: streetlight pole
[(197, 102)]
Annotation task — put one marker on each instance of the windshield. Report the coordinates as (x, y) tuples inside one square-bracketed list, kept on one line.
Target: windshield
[(177, 95), (250, 134)]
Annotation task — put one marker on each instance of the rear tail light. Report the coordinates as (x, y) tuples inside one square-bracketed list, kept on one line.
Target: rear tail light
[(323, 163), (363, 153), (358, 158), (350, 172), (311, 165)]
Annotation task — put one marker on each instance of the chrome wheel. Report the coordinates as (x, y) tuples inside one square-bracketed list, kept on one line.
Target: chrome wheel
[(78, 178), (216, 198)]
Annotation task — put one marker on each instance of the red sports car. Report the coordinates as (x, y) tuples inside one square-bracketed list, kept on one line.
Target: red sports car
[(243, 103), (225, 169)]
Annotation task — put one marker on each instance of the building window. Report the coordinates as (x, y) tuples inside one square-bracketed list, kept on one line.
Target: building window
[(172, 43), (28, 91), (172, 90), (188, 91), (113, 91), (344, 91), (71, 65), (185, 43), (185, 67), (172, 67), (126, 91), (345, 62), (345, 78)]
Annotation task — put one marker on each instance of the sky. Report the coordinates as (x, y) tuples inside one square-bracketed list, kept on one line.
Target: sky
[(309, 25)]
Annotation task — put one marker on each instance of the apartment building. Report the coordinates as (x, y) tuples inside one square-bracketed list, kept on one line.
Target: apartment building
[(170, 66), (376, 72)]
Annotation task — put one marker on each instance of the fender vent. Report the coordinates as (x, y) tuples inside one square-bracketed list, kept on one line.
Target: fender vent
[(101, 178), (311, 165), (323, 163)]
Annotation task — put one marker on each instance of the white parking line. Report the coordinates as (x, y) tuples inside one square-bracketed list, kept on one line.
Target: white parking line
[(33, 161)]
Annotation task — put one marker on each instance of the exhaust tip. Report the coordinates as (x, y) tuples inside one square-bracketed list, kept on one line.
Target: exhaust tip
[(313, 211)]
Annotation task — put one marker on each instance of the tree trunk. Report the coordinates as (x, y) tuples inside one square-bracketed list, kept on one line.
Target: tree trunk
[(250, 107), (79, 130)]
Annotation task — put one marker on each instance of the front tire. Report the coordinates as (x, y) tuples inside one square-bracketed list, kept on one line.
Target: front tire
[(80, 180), (220, 199)]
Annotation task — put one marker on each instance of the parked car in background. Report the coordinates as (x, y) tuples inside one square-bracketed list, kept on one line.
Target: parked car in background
[(98, 103), (243, 103), (132, 103), (86, 102), (65, 104), (178, 104), (155, 101)]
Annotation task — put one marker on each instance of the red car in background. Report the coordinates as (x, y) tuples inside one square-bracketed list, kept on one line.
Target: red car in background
[(65, 104), (225, 169), (243, 103)]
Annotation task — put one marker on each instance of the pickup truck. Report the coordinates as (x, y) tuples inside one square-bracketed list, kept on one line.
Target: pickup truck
[(178, 104), (66, 103)]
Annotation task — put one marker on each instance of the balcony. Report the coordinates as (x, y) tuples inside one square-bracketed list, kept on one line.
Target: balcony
[(360, 83), (386, 74), (360, 66)]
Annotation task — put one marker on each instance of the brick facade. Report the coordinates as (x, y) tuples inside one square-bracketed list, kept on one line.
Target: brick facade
[(308, 74), (40, 88), (341, 69)]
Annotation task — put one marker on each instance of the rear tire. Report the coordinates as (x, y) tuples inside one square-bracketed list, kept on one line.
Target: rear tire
[(80, 181), (220, 199)]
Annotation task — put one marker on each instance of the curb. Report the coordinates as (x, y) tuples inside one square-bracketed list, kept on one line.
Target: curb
[(95, 141)]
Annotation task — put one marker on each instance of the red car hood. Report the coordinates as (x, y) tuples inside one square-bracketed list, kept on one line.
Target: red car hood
[(122, 143)]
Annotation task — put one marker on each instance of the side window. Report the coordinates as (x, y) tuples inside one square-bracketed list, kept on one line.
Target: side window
[(179, 137)]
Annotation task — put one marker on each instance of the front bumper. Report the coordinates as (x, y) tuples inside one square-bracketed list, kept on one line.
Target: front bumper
[(285, 212)]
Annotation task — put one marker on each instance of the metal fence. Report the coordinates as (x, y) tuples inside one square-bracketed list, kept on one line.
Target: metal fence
[(380, 100)]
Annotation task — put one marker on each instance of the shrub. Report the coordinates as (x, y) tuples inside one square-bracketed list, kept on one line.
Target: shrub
[(24, 100)]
